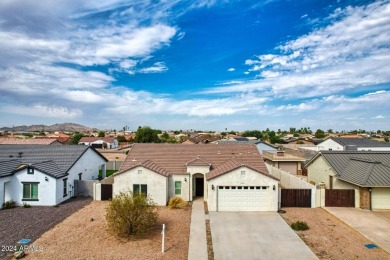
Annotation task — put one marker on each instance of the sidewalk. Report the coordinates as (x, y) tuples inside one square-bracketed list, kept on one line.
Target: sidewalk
[(198, 245)]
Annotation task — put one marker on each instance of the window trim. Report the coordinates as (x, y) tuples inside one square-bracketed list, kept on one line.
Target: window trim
[(65, 190), (178, 189), (30, 170), (30, 183), (139, 188)]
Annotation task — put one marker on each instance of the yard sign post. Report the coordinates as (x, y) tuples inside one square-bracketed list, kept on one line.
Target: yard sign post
[(163, 238)]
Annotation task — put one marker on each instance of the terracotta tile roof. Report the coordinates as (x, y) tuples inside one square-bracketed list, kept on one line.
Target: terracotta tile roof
[(148, 165), (28, 141), (93, 139), (174, 157), (198, 162)]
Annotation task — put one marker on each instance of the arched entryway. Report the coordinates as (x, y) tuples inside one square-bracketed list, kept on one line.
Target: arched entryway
[(198, 185)]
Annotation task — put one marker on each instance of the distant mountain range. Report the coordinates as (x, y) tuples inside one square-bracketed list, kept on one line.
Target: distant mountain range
[(65, 127)]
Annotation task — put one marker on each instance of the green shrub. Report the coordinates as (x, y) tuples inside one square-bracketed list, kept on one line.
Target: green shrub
[(177, 203), (26, 205), (9, 204), (299, 225), (131, 215)]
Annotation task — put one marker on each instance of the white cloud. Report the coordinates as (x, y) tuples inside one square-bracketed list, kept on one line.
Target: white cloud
[(353, 51), (378, 117), (156, 68), (231, 69), (38, 110)]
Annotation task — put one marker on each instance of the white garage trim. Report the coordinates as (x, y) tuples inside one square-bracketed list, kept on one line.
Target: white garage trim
[(380, 198), (243, 198)]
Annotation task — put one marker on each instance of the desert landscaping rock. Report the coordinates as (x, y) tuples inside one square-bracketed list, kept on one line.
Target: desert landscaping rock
[(20, 222), (77, 237), (330, 238)]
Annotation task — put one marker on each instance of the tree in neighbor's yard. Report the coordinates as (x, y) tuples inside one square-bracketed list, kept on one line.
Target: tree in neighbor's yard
[(131, 214), (102, 134)]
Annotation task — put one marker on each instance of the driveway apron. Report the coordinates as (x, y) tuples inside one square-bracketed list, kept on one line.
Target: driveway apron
[(255, 235)]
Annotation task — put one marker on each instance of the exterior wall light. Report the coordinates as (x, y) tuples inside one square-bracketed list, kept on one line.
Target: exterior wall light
[(185, 179), (274, 188), (46, 179), (212, 187)]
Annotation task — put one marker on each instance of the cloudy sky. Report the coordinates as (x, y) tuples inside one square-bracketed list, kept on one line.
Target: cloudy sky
[(203, 64)]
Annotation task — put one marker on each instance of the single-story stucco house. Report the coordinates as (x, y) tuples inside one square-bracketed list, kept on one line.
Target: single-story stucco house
[(100, 142), (228, 177), (368, 173), (352, 144), (44, 174)]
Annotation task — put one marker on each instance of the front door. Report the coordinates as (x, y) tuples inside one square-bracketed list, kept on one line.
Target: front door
[(199, 184)]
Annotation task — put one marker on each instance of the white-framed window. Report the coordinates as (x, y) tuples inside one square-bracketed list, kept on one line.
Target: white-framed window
[(242, 173), (139, 171), (30, 170), (65, 182), (177, 187), (30, 191), (140, 188)]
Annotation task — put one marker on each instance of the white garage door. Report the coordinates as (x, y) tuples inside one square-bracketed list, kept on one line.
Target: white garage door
[(380, 198), (243, 198)]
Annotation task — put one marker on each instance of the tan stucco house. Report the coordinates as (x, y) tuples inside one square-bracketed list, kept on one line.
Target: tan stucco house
[(229, 177), (368, 173)]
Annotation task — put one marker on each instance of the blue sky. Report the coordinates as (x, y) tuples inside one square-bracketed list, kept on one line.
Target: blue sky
[(204, 64)]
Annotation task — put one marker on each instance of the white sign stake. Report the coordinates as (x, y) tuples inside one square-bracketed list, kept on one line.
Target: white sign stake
[(163, 238)]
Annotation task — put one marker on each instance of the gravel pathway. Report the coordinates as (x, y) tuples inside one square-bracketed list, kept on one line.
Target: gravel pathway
[(31, 223)]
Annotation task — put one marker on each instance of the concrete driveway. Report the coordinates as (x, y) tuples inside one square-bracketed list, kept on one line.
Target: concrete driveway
[(373, 225), (255, 235)]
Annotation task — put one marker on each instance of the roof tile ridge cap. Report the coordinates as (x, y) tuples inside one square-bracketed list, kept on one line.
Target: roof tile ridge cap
[(368, 173)]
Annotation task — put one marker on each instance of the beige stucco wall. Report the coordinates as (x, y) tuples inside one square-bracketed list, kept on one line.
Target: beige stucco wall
[(185, 186), (319, 172), (234, 178), (157, 184)]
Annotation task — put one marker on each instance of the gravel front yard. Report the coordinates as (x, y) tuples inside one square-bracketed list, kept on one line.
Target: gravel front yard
[(78, 237), (19, 223), (330, 238)]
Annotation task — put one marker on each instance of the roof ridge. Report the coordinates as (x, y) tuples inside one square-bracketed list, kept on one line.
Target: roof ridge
[(369, 170)]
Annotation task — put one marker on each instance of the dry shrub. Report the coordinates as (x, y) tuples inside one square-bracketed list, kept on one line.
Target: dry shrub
[(131, 215), (177, 203), (299, 226)]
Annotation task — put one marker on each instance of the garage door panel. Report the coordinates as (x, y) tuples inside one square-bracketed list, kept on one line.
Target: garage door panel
[(381, 198), (243, 198)]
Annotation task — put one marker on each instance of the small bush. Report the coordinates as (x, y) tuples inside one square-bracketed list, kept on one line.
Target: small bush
[(299, 225), (177, 203), (131, 215), (9, 204), (26, 205)]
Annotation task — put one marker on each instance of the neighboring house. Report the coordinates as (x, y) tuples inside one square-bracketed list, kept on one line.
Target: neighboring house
[(261, 146), (352, 144), (228, 177), (100, 142), (368, 173), (44, 174), (284, 161), (46, 141)]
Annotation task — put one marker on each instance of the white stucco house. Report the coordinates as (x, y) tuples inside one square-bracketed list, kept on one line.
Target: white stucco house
[(352, 144), (100, 142), (228, 177), (44, 175)]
